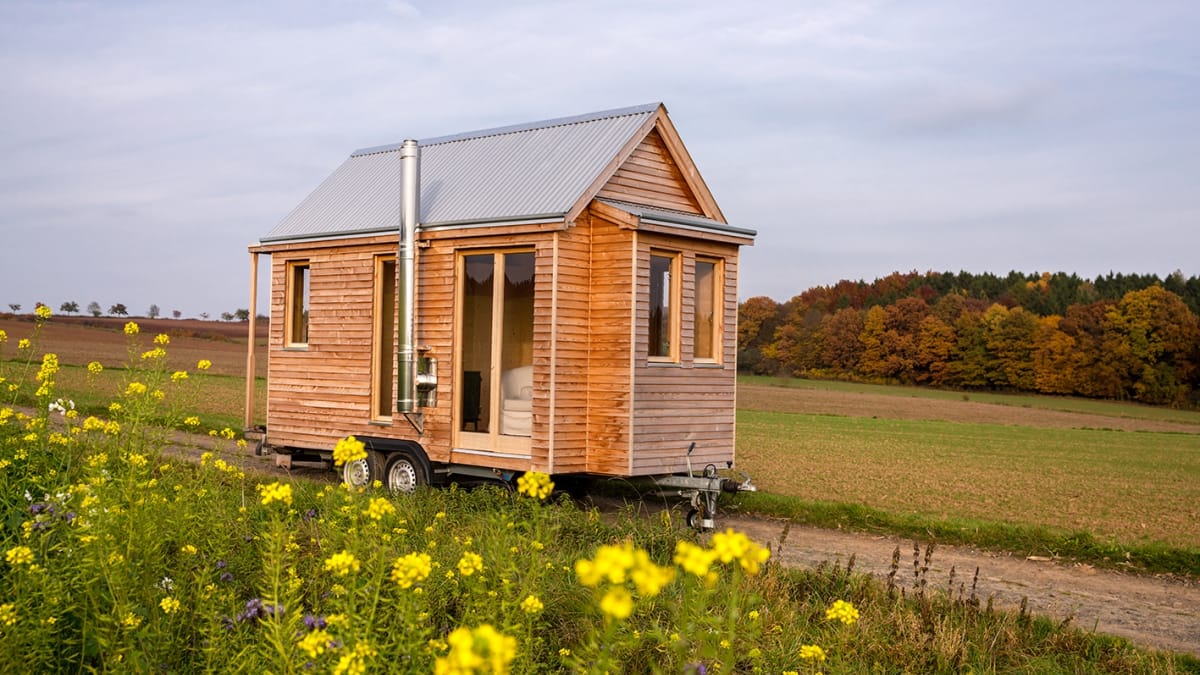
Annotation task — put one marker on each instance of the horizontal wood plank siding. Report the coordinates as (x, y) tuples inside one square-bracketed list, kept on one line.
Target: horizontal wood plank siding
[(651, 177), (680, 403)]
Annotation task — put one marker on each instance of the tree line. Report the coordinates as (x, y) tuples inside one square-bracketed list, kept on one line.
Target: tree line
[(1125, 337), (119, 309)]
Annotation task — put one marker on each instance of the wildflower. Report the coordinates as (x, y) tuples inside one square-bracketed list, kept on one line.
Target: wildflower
[(315, 643), (349, 449), (812, 653), (3, 337), (135, 389), (378, 508), (95, 368), (188, 549), (483, 649), (131, 328), (564, 652), (179, 376), (842, 611), (411, 569), (617, 603), (531, 605), (24, 343), (169, 605), (49, 367), (156, 353), (276, 492), (8, 614), (131, 620), (19, 555), (354, 663), (162, 339), (470, 563), (203, 364), (535, 484), (192, 421), (730, 546), (342, 563)]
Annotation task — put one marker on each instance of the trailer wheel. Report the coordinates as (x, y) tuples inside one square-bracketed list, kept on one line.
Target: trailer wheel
[(363, 472), (405, 472)]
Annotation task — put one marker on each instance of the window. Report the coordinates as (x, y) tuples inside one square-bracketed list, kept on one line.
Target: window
[(383, 356), (706, 323), (664, 307), (495, 369), (296, 311)]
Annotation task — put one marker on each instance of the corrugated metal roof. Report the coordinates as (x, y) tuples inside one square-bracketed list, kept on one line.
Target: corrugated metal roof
[(671, 217), (520, 172)]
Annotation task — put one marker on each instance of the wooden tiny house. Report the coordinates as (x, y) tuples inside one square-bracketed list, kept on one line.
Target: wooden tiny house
[(564, 300)]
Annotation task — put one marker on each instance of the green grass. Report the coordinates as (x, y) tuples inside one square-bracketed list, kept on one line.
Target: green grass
[(1062, 403), (1089, 494)]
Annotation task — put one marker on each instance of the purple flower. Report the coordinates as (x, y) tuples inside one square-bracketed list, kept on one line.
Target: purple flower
[(221, 564), (314, 622), (226, 577)]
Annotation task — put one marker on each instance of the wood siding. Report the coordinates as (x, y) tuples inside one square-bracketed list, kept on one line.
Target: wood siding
[(651, 177)]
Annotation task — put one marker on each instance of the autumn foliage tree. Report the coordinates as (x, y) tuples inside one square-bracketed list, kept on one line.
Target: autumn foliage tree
[(1046, 333)]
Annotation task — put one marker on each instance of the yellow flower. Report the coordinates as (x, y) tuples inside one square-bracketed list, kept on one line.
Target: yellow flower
[(192, 421), (131, 328), (8, 614), (617, 603), (95, 368), (315, 643), (812, 653), (169, 605), (276, 492), (131, 620), (3, 337), (162, 340), (729, 546), (179, 376), (470, 563), (156, 353), (342, 563), (411, 569), (483, 650), (535, 484), (349, 449), (19, 555), (842, 611), (203, 364), (135, 389), (42, 312), (188, 549), (531, 605), (23, 343), (379, 507)]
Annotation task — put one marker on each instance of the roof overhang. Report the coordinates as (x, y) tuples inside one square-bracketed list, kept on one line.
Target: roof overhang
[(648, 218)]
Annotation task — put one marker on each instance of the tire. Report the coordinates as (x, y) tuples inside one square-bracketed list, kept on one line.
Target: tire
[(405, 472), (363, 472)]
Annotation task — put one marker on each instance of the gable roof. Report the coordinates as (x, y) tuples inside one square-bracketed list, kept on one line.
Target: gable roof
[(540, 171)]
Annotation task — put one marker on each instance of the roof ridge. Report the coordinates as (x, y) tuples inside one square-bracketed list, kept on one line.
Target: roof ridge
[(518, 128)]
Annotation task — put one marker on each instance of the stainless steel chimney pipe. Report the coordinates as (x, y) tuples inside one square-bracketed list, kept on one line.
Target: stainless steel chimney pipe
[(410, 214)]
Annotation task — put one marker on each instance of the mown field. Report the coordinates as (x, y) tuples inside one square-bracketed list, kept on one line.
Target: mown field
[(1125, 472)]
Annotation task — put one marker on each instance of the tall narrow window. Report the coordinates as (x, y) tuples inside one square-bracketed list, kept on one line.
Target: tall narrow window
[(664, 307), (496, 354), (296, 311), (383, 358), (706, 324)]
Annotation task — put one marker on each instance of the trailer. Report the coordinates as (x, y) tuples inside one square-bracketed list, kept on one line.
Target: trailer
[(558, 296)]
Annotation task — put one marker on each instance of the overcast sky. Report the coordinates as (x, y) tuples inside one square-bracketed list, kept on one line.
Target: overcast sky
[(145, 145)]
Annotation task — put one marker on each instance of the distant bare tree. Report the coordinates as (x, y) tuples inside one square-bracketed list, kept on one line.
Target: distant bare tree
[(152, 312), (204, 315), (176, 313), (227, 316), (94, 308), (15, 307), (118, 310), (71, 307)]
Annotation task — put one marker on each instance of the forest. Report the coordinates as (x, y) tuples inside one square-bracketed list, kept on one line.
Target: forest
[(1118, 336)]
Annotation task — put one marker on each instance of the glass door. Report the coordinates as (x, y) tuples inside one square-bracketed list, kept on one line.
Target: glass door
[(495, 369)]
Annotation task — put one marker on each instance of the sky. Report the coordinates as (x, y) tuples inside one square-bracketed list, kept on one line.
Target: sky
[(145, 145)]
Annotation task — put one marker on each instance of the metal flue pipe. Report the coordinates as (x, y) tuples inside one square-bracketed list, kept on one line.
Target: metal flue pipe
[(410, 214)]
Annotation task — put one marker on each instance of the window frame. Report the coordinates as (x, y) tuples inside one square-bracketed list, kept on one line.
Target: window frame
[(718, 309), (297, 314), (674, 309), (383, 338)]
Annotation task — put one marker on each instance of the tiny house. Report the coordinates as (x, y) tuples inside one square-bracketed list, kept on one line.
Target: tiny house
[(559, 296)]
